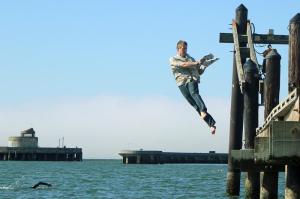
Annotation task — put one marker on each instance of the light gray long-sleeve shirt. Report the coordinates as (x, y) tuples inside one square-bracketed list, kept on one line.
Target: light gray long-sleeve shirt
[(184, 75)]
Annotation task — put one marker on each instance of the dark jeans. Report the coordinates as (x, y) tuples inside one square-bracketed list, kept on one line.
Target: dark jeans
[(191, 93)]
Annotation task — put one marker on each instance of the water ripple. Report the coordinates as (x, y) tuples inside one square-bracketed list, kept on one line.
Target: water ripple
[(112, 179)]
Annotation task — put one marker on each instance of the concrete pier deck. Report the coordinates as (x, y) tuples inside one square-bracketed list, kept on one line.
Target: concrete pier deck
[(160, 157), (40, 154)]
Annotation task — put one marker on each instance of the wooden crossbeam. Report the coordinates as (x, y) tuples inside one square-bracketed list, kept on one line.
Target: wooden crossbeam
[(257, 38), (238, 59)]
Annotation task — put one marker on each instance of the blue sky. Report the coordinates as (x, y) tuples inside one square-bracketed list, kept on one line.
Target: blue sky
[(97, 72)]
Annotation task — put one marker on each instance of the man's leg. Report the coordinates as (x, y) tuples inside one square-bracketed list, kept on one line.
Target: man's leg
[(210, 121), (185, 92), (194, 91)]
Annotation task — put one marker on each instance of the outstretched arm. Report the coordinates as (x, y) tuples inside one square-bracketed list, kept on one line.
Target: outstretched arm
[(190, 64)]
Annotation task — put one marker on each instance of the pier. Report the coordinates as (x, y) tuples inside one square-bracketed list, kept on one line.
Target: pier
[(160, 157), (40, 154), (273, 147), (25, 148)]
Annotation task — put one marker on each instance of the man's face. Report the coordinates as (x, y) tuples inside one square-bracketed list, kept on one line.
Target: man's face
[(182, 50)]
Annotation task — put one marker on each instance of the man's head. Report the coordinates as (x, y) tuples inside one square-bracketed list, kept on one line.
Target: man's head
[(181, 48)]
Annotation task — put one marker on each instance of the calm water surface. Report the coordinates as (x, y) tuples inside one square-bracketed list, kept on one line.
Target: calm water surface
[(112, 179)]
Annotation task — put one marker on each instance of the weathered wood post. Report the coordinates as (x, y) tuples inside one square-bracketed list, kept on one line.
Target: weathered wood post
[(236, 113), (292, 187), (250, 124), (272, 81), (269, 179)]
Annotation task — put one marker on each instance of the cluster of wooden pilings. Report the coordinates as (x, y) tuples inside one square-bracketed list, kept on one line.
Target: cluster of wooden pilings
[(261, 183)]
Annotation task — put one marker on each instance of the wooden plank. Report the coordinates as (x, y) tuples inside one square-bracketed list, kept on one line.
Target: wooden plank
[(250, 44), (257, 38), (238, 59)]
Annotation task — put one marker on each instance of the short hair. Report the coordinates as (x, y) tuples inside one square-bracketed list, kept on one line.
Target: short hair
[(181, 43)]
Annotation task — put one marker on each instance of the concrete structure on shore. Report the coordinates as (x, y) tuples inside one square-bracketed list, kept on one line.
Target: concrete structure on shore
[(160, 157), (25, 147), (26, 140)]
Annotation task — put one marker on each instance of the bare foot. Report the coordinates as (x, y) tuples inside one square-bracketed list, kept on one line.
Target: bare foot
[(213, 130)]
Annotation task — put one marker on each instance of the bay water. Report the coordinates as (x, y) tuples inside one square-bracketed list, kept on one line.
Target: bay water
[(113, 179)]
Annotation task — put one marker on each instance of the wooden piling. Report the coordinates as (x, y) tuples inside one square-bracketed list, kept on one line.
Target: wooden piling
[(236, 113), (272, 81), (269, 179), (250, 103), (250, 124), (294, 50), (292, 187)]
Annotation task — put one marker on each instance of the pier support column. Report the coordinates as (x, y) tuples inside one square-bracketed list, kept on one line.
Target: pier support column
[(269, 185), (152, 159), (236, 112), (269, 179), (138, 159), (292, 187), (131, 160), (250, 124)]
